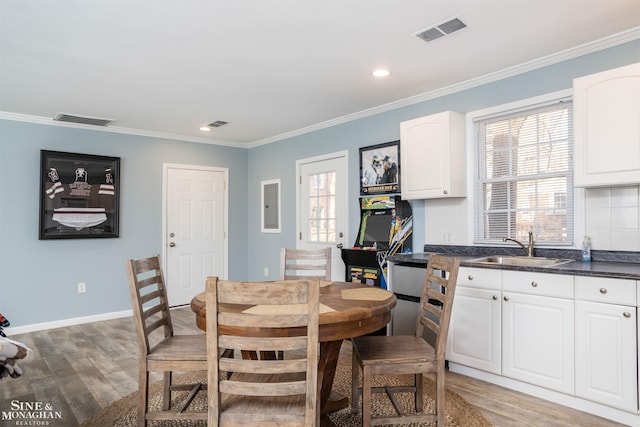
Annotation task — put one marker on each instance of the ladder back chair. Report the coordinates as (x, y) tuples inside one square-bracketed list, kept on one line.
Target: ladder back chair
[(159, 350), (305, 264), (407, 354), (263, 392), (301, 264)]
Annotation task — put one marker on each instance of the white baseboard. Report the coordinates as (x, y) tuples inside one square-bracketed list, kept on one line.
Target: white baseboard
[(66, 322)]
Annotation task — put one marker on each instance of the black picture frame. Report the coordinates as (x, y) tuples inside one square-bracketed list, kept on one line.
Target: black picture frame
[(375, 176), (79, 195)]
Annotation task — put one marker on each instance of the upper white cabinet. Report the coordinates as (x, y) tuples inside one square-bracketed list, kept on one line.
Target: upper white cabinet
[(607, 127), (432, 156)]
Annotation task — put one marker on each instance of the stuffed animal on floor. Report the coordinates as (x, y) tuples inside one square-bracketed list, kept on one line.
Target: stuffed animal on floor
[(12, 355)]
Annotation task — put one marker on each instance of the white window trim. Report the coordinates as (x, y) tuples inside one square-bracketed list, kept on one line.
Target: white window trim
[(524, 104)]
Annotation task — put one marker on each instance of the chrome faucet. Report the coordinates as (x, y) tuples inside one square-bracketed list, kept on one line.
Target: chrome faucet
[(528, 249)]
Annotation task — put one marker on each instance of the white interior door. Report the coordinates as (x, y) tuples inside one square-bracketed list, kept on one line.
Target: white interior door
[(322, 206), (195, 229)]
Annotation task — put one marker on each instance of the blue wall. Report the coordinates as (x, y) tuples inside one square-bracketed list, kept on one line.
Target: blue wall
[(38, 278)]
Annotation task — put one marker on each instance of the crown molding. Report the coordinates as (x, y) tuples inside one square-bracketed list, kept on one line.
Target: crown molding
[(116, 129), (575, 52)]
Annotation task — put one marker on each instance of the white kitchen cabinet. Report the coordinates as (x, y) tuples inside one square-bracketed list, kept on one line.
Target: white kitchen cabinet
[(606, 325), (475, 332), (606, 354), (432, 156), (538, 330), (607, 127), (474, 338)]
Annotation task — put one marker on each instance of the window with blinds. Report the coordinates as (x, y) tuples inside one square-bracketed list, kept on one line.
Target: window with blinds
[(524, 175)]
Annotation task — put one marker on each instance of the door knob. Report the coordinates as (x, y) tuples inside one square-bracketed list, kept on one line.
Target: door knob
[(339, 246), (171, 245)]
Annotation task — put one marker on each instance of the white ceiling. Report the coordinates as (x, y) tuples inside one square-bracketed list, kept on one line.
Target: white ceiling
[(274, 68)]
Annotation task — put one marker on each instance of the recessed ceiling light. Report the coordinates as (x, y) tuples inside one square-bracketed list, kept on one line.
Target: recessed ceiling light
[(205, 129), (381, 73)]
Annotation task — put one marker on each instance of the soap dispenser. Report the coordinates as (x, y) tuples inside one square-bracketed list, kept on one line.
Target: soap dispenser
[(586, 249)]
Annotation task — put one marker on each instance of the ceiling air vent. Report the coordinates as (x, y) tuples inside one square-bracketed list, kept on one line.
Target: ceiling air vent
[(217, 124), (85, 120), (440, 30)]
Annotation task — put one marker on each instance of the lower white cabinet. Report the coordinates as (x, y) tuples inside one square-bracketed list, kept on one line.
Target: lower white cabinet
[(606, 354), (575, 335), (606, 332), (474, 338), (537, 340)]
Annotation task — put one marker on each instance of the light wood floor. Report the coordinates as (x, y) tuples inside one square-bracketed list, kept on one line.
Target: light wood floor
[(81, 369)]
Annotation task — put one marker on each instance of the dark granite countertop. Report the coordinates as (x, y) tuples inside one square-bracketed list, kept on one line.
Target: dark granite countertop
[(614, 264)]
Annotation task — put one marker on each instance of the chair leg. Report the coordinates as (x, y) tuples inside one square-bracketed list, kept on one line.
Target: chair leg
[(418, 397), (143, 396), (366, 396), (355, 373), (440, 393), (166, 394)]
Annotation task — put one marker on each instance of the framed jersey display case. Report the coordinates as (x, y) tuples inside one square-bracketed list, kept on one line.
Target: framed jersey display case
[(79, 195)]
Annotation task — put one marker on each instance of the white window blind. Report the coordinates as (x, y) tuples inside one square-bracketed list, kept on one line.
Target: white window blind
[(524, 175)]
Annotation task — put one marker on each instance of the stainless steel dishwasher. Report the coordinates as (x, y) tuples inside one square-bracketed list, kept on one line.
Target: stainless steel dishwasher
[(406, 283)]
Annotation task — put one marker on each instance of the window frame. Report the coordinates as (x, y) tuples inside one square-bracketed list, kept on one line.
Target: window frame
[(504, 110)]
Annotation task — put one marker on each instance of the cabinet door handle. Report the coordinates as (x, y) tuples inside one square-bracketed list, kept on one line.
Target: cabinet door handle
[(446, 192), (626, 314), (470, 277), (506, 298), (534, 284), (603, 290), (495, 297)]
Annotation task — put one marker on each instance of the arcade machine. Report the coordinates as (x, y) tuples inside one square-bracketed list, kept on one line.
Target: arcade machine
[(386, 225)]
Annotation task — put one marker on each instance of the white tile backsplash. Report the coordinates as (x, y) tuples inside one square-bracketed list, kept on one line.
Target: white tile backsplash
[(598, 198), (624, 217), (599, 218), (624, 196), (612, 218), (625, 239)]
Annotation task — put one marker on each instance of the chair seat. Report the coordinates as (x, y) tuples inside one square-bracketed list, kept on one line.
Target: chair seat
[(181, 347), (393, 349)]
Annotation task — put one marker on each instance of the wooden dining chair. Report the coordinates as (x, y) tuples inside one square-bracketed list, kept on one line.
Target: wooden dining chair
[(159, 350), (305, 264), (263, 392), (410, 354)]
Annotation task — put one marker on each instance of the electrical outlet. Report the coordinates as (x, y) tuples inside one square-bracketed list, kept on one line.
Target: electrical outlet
[(82, 287), (266, 272)]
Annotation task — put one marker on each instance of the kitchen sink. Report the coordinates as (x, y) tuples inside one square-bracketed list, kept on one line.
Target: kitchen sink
[(522, 261)]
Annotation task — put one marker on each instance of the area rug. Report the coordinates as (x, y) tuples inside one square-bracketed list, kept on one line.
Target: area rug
[(459, 412)]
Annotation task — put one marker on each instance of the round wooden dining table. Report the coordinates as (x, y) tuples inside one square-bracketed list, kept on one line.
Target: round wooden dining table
[(347, 310)]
